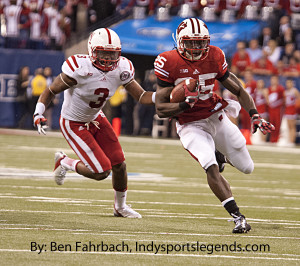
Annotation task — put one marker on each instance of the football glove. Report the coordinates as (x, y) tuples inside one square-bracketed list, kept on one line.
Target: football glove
[(39, 122), (264, 126)]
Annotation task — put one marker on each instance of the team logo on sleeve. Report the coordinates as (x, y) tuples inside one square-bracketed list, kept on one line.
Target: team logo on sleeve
[(124, 75)]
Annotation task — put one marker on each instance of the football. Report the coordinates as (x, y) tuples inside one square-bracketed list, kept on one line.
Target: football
[(177, 95)]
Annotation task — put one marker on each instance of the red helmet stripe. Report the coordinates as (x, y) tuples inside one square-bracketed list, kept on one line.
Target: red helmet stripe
[(109, 36), (198, 24), (74, 60), (193, 27)]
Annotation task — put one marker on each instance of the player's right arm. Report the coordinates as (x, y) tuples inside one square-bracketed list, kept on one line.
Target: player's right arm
[(60, 83), (162, 103), (162, 66)]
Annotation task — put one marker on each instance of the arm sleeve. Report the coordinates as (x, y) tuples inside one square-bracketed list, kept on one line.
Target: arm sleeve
[(127, 70), (222, 64), (70, 68)]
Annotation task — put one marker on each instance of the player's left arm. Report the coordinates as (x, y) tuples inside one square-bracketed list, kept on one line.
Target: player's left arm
[(138, 93), (233, 84)]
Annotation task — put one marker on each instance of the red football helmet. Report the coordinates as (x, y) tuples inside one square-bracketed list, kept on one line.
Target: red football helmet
[(192, 38), (104, 47)]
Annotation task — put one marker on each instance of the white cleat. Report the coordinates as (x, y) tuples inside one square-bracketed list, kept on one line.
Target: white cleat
[(126, 212), (59, 170)]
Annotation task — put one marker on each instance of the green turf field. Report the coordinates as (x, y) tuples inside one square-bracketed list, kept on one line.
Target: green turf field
[(183, 222)]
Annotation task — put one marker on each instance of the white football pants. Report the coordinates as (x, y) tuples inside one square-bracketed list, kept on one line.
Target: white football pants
[(202, 137)]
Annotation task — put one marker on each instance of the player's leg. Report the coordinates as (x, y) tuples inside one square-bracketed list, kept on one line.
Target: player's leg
[(199, 142), (291, 122), (230, 141), (93, 162), (109, 143)]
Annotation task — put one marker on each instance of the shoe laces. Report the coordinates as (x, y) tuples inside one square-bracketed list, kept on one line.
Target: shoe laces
[(62, 172), (238, 220)]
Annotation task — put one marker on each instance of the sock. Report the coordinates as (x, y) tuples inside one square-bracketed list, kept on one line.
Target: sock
[(120, 199), (69, 164), (230, 206)]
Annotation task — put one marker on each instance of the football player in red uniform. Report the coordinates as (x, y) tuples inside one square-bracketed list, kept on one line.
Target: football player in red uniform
[(88, 81), (202, 124)]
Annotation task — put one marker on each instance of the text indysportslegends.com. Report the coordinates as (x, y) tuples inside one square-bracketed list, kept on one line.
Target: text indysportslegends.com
[(146, 247)]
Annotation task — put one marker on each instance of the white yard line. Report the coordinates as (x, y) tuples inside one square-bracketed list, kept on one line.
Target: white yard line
[(169, 255), (159, 141), (89, 201), (184, 216), (70, 151), (198, 234), (292, 193)]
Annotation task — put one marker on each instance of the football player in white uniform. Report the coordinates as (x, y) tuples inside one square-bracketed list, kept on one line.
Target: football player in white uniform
[(202, 124), (88, 81)]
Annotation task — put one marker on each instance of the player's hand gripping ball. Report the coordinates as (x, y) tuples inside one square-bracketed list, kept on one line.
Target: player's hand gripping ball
[(186, 88)]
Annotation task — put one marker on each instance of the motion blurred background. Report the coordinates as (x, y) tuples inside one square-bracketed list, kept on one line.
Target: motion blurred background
[(260, 38)]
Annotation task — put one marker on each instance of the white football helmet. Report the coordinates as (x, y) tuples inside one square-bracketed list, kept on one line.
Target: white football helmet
[(104, 47), (192, 39)]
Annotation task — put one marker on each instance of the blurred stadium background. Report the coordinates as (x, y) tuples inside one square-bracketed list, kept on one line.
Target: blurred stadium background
[(165, 185)]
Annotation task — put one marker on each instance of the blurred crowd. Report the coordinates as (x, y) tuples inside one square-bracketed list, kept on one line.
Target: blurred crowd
[(29, 88), (269, 65), (48, 24)]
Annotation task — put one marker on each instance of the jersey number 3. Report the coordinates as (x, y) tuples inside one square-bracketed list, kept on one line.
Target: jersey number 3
[(103, 92)]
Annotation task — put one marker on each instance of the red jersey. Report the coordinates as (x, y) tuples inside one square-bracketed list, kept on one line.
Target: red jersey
[(172, 68), (290, 102), (267, 65), (241, 62), (276, 97)]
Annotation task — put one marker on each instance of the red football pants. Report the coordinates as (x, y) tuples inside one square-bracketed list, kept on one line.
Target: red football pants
[(97, 146)]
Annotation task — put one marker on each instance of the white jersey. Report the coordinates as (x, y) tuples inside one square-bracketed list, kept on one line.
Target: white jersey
[(54, 17), (84, 101), (12, 15), (36, 24)]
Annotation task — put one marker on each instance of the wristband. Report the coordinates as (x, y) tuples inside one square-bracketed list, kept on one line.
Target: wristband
[(184, 105), (142, 96), (253, 112), (153, 96), (40, 108)]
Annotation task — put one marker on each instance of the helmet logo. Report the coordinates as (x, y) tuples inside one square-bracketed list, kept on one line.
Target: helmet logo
[(181, 26)]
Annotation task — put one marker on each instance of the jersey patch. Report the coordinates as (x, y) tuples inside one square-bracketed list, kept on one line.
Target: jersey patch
[(124, 75)]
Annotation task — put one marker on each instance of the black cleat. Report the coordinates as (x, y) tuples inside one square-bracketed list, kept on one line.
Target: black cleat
[(241, 225), (221, 160)]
